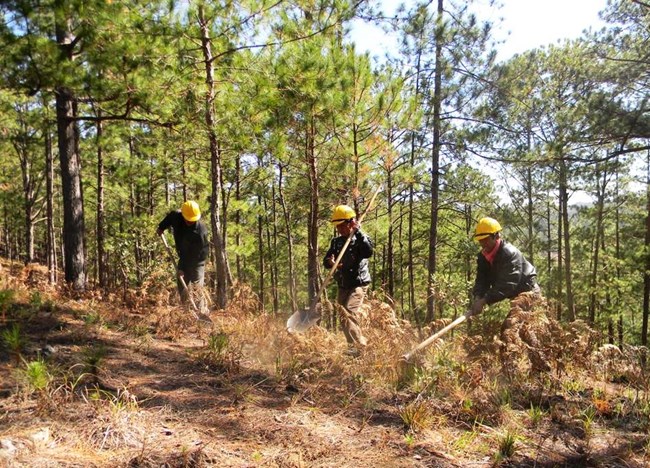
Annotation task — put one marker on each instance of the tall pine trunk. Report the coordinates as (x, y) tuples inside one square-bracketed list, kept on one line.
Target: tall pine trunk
[(600, 205), (646, 272), (273, 248), (218, 241), (261, 268), (312, 220), (49, 194), (287, 226), (101, 251), (68, 142), (435, 168), (564, 201), (390, 257)]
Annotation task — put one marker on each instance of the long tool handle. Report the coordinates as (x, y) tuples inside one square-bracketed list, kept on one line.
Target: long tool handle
[(182, 280), (327, 279), (435, 336)]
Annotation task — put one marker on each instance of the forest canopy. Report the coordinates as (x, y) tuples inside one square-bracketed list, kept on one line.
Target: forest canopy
[(114, 113)]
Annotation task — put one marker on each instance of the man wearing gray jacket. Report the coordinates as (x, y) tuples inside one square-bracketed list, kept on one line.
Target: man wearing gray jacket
[(352, 275)]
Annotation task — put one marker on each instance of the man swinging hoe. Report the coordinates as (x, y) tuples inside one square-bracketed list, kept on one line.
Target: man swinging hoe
[(502, 273)]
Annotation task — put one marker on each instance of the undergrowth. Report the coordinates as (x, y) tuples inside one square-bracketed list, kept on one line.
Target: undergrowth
[(475, 396)]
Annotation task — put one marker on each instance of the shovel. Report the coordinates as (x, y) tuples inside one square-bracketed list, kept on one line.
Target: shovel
[(304, 319), (182, 280), (407, 357)]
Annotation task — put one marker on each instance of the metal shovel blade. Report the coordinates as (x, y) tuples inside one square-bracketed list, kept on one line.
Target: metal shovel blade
[(302, 321)]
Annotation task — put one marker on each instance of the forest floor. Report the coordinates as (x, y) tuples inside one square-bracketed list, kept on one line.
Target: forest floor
[(131, 381)]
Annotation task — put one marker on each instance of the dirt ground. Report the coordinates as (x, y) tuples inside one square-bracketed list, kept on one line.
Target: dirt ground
[(143, 385)]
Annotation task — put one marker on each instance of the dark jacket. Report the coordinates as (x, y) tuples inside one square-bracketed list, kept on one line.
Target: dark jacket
[(191, 241), (509, 275), (354, 271)]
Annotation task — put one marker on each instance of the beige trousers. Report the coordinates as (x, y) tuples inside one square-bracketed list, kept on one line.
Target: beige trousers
[(351, 300)]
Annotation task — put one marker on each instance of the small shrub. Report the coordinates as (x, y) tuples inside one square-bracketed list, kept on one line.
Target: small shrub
[(465, 440), (416, 416), (573, 387), (218, 355), (507, 446), (35, 300), (14, 340), (6, 298), (588, 416), (536, 414), (35, 376), (92, 359), (92, 318), (217, 344)]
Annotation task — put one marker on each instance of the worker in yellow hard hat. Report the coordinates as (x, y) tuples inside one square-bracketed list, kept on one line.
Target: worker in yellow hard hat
[(352, 275), (502, 271), (192, 246)]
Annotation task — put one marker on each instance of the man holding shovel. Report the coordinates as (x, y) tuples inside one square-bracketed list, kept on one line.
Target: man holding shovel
[(352, 275), (192, 246)]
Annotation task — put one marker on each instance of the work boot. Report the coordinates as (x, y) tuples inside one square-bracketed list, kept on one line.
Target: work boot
[(352, 351)]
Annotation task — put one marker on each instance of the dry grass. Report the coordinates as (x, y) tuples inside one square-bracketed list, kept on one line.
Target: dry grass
[(242, 392)]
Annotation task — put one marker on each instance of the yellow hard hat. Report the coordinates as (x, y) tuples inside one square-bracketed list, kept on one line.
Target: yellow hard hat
[(342, 213), (486, 227), (190, 210)]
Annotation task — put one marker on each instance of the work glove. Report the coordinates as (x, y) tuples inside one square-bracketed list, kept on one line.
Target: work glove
[(477, 306)]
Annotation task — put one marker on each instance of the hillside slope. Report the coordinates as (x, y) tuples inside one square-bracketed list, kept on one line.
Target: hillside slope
[(133, 381)]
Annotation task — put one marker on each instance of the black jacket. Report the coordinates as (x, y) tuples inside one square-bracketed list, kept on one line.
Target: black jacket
[(509, 275), (354, 271), (191, 241)]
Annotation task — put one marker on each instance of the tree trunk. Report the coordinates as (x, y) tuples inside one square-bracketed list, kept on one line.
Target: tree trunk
[(287, 226), (411, 208), (49, 195), (529, 208), (549, 240), (28, 199), (216, 168), (260, 254), (646, 273), (617, 255), (101, 252), (600, 202), (238, 222), (390, 272), (73, 210), (435, 168), (68, 143), (564, 200), (312, 221), (273, 248), (560, 264)]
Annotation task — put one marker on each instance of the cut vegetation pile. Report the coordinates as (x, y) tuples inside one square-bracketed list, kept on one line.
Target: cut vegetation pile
[(129, 380)]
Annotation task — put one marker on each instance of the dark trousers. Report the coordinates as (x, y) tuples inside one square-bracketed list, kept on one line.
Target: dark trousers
[(194, 279)]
